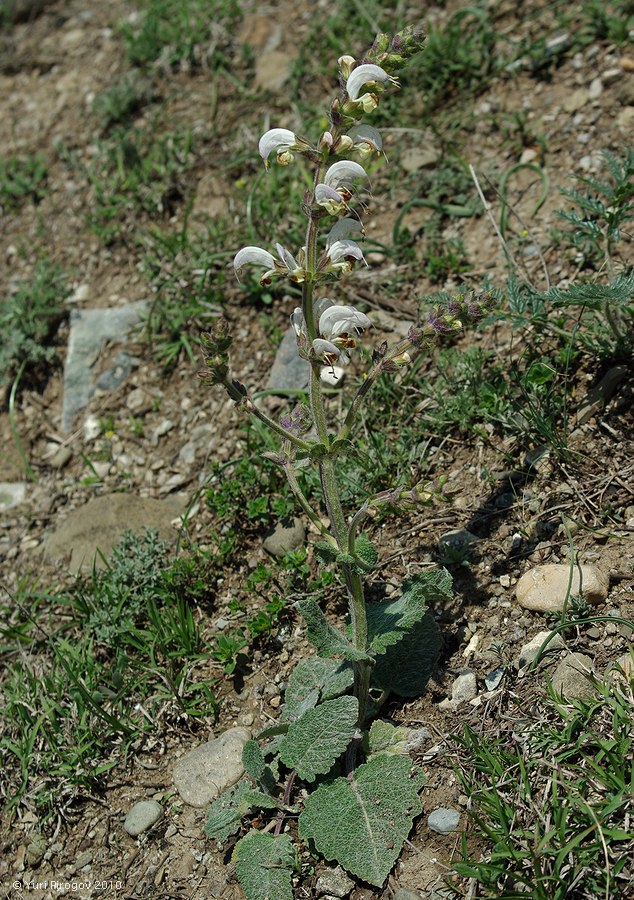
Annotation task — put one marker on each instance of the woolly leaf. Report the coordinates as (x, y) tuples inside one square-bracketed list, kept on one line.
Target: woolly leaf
[(311, 679), (264, 865), (388, 623), (325, 553), (328, 640), (386, 738), (366, 551), (255, 799), (362, 823), (314, 742), (223, 817), (253, 760), (405, 667)]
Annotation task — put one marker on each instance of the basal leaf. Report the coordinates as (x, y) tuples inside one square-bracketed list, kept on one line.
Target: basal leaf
[(363, 823), (312, 679), (389, 622), (253, 760), (223, 817), (386, 738), (264, 865), (314, 742), (405, 667), (328, 640)]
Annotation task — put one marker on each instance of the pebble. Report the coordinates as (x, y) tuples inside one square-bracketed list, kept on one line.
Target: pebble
[(285, 537), (289, 370), (334, 882), (142, 816), (545, 588), (576, 100), (458, 540), (443, 820), (572, 677), (493, 679), (61, 457), (465, 687), (406, 894), (203, 773), (595, 89), (36, 849), (529, 651), (12, 494), (421, 157), (332, 376)]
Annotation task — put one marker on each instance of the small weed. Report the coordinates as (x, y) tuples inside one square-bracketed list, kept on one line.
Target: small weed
[(135, 171), (124, 97), (29, 318), (181, 32), (22, 178), (187, 275), (554, 805)]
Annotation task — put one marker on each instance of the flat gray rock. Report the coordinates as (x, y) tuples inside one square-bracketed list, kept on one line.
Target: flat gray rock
[(203, 773), (530, 650), (89, 330), (142, 816), (100, 523), (289, 371), (443, 821), (12, 493)]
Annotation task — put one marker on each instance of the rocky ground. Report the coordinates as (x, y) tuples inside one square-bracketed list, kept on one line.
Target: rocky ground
[(515, 517)]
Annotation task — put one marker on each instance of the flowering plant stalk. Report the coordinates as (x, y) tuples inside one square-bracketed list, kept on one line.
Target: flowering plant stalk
[(320, 721)]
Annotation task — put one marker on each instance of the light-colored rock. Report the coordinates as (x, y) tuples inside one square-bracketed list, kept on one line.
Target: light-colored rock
[(334, 882), (100, 523), (203, 773), (443, 820), (530, 650), (625, 118), (332, 376), (421, 157), (12, 493), (576, 100), (142, 816), (285, 537), (272, 69), (572, 677), (465, 687), (545, 588)]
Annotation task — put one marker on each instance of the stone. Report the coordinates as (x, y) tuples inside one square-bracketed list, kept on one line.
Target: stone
[(465, 687), (203, 773), (576, 100), (406, 894), (443, 820), (529, 651), (272, 70), (572, 677), (142, 816), (289, 371), (546, 588), (459, 540), (494, 679), (286, 536), (625, 118), (95, 528), (114, 376), (61, 457), (334, 882), (422, 157), (596, 399), (12, 493), (89, 330), (36, 849), (332, 376)]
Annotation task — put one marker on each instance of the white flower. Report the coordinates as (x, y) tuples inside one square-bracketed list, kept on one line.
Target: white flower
[(334, 192), (342, 254), (342, 321), (366, 140), (298, 322), (366, 74), (256, 256), (327, 352), (280, 141)]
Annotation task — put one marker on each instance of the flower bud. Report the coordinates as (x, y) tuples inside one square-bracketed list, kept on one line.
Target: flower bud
[(346, 65)]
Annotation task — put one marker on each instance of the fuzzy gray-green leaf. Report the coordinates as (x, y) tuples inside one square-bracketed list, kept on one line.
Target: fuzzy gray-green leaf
[(253, 760), (328, 640), (388, 623), (312, 679), (314, 742), (405, 668), (264, 865), (223, 817), (363, 823)]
